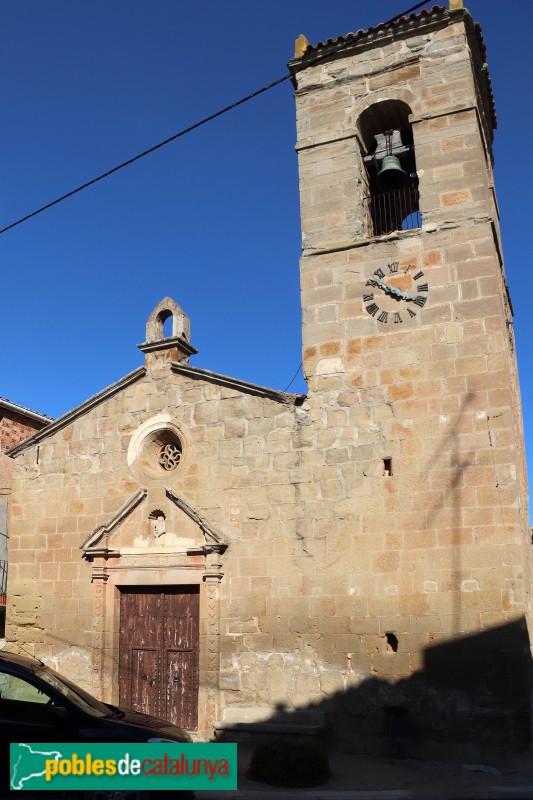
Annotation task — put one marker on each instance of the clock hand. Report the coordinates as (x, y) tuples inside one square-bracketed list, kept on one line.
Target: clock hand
[(391, 290)]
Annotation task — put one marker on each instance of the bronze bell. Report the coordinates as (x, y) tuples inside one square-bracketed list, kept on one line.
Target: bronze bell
[(391, 176)]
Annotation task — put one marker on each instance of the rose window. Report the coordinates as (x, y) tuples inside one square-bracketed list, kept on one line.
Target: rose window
[(169, 456)]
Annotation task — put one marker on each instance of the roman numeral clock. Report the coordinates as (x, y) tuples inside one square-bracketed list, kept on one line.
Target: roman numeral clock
[(395, 295)]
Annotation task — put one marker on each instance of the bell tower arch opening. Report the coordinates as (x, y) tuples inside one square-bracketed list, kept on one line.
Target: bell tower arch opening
[(392, 198), (166, 320)]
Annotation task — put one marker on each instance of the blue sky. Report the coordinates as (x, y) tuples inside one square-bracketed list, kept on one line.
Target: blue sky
[(211, 220)]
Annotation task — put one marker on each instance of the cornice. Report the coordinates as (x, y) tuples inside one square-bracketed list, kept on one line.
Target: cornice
[(70, 416), (234, 383)]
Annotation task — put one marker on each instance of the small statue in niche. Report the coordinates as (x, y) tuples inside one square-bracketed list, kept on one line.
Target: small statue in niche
[(158, 525)]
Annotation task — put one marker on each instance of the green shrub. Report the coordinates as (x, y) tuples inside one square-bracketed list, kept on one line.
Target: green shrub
[(292, 762)]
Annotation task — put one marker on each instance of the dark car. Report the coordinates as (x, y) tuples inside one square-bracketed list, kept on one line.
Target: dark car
[(39, 705)]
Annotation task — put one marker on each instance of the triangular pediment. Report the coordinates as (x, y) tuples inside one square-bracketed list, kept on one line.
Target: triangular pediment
[(212, 536), (100, 538), (163, 523)]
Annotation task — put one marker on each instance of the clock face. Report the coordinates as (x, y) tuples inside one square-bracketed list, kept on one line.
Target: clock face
[(393, 295)]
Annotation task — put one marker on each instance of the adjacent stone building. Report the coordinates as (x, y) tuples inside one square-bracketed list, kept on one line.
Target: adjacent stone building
[(16, 423), (220, 553)]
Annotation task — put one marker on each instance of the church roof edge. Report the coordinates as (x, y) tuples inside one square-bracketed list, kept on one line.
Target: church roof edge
[(309, 52), (67, 418), (184, 369), (363, 33), (237, 384)]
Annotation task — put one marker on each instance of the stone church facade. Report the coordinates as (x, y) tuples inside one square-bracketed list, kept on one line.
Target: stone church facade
[(224, 554)]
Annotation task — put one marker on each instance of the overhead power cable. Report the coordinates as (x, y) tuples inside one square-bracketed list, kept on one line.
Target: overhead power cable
[(201, 122), (294, 377)]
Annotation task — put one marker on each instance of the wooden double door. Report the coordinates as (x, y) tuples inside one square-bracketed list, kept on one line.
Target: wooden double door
[(158, 658)]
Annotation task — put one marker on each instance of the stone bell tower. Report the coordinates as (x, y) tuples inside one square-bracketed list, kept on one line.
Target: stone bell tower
[(409, 352)]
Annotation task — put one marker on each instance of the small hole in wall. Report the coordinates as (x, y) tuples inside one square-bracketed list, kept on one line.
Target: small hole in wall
[(392, 643), (387, 467)]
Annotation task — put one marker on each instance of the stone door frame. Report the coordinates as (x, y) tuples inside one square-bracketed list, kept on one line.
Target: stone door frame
[(200, 565)]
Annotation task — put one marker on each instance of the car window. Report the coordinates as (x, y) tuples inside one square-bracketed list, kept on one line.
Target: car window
[(76, 695), (45, 688), (14, 688)]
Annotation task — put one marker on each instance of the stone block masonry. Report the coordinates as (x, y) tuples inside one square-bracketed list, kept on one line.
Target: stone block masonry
[(362, 548)]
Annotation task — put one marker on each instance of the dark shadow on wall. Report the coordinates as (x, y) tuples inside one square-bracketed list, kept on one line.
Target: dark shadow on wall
[(472, 699), (453, 462)]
